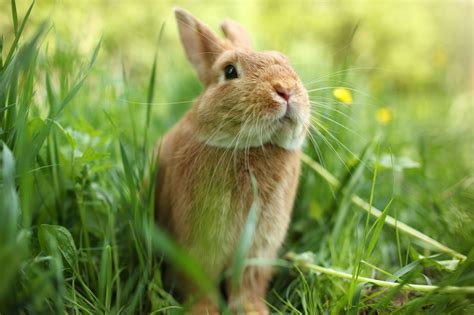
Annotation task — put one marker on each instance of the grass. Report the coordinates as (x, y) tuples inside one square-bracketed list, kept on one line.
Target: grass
[(77, 231)]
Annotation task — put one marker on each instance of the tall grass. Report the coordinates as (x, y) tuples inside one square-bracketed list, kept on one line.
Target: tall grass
[(77, 230)]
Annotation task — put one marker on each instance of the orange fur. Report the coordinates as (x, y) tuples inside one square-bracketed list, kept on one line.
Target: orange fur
[(236, 127)]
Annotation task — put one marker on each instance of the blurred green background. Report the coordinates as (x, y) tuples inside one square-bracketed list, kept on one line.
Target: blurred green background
[(398, 75)]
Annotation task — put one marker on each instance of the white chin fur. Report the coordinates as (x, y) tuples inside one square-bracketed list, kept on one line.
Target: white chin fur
[(289, 138), (285, 143), (289, 144)]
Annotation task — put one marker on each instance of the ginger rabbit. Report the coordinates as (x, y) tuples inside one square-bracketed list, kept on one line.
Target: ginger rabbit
[(250, 120)]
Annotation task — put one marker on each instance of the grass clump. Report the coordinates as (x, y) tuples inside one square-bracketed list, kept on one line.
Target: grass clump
[(77, 230)]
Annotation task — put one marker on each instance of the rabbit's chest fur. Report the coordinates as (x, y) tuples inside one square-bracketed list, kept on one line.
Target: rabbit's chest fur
[(206, 194)]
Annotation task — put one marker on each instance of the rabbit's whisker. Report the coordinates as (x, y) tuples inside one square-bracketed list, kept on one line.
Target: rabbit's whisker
[(333, 74), (152, 104)]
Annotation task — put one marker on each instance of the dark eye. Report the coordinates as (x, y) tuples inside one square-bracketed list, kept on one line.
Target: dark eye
[(230, 72)]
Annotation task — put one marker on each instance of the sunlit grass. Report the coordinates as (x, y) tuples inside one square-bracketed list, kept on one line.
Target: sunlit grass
[(77, 228)]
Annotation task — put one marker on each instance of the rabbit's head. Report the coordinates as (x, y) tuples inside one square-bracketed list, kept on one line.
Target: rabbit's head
[(250, 98)]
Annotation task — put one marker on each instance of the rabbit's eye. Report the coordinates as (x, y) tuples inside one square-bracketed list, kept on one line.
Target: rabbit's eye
[(230, 72)]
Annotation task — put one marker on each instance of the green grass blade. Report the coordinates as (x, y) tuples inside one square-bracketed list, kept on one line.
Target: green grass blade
[(105, 278), (9, 204), (50, 93), (408, 287), (11, 112), (246, 238), (130, 106), (1, 61), (14, 16), (150, 97), (376, 229), (18, 34), (129, 175), (181, 260)]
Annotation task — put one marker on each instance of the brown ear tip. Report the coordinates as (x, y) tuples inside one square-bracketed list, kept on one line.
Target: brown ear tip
[(225, 22), (181, 14), (229, 23)]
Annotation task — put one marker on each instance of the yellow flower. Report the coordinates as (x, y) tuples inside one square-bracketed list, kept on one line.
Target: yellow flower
[(384, 115), (343, 95)]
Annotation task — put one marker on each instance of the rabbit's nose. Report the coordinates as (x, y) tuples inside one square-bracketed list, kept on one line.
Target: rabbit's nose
[(282, 91), (284, 95)]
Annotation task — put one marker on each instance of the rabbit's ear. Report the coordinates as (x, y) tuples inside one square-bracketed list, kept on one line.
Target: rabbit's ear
[(202, 46), (236, 33)]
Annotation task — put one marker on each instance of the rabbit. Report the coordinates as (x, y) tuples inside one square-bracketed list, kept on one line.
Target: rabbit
[(250, 121)]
